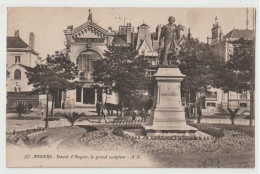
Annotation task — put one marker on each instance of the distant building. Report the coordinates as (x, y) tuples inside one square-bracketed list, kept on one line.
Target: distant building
[(88, 42), (20, 57), (222, 46), (84, 44)]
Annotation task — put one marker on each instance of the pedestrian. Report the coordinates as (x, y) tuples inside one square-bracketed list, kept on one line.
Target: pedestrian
[(42, 111), (187, 115), (103, 113), (98, 107), (143, 115), (191, 109), (133, 114), (29, 107), (199, 113), (20, 109)]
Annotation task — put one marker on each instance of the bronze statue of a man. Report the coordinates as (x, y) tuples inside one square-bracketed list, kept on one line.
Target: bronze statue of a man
[(169, 40)]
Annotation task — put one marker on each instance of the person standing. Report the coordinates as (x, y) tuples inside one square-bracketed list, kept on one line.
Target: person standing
[(187, 115), (98, 107), (103, 113), (199, 113)]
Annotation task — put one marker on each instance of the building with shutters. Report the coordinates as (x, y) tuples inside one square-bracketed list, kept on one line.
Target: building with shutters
[(19, 58)]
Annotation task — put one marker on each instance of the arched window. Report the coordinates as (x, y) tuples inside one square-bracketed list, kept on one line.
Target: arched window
[(84, 63), (15, 89), (17, 74), (19, 89)]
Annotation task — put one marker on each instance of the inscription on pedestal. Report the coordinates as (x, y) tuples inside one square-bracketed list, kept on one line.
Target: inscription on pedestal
[(168, 111)]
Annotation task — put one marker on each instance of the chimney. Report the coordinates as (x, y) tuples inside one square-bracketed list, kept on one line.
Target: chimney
[(31, 40), (16, 33), (129, 33), (110, 29), (189, 35)]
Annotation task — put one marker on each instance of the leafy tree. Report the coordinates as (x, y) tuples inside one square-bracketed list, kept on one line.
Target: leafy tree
[(122, 70), (238, 73), (58, 73), (195, 60), (73, 117), (233, 114)]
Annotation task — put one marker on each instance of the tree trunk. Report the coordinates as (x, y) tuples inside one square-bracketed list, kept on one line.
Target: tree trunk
[(232, 121), (46, 119), (122, 110), (228, 100), (53, 94), (251, 108), (189, 96), (198, 120), (197, 104)]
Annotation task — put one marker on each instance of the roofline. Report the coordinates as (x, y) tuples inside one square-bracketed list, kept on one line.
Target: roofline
[(79, 28), (232, 32), (21, 65), (28, 49)]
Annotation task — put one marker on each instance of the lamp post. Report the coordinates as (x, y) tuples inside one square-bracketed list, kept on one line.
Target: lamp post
[(46, 119)]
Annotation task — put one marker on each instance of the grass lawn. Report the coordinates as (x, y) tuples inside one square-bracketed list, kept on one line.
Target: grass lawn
[(234, 149)]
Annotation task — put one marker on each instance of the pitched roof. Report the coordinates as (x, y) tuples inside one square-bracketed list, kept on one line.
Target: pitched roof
[(90, 24), (246, 34), (21, 65), (16, 42), (147, 43), (119, 42)]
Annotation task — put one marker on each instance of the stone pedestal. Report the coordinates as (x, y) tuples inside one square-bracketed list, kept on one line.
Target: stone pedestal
[(168, 112)]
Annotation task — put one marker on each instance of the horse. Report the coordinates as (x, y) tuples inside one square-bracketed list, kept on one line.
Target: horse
[(110, 107)]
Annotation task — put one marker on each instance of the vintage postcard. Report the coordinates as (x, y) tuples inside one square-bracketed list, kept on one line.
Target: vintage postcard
[(130, 87)]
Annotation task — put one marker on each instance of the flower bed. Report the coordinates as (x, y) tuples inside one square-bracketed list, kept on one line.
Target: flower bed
[(85, 138), (24, 132), (21, 137), (215, 132), (128, 121)]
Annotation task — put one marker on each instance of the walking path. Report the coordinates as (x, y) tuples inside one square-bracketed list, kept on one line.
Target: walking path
[(36, 120), (222, 121)]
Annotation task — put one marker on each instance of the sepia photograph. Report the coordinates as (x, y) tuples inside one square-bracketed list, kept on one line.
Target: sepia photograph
[(136, 87)]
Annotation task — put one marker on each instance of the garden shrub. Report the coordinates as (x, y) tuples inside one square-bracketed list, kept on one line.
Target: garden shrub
[(94, 135), (119, 132), (25, 140)]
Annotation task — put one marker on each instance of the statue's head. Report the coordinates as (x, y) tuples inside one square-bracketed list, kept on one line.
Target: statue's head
[(171, 19)]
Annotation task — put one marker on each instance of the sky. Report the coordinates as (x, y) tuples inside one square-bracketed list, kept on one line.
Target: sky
[(48, 23)]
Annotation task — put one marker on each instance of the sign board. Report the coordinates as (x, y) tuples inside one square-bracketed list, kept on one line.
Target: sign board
[(96, 40)]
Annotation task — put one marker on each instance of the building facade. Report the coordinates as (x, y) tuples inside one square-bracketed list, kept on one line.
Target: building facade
[(84, 44), (88, 42), (222, 46), (19, 58)]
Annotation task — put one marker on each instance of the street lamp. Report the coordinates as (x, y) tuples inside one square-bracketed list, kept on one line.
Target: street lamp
[(46, 119)]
